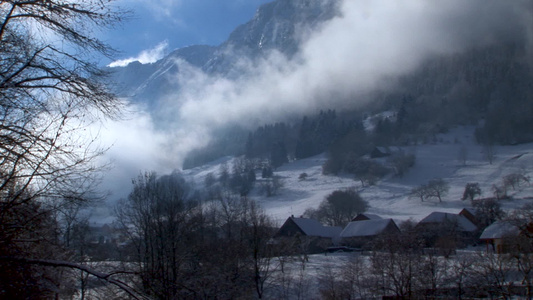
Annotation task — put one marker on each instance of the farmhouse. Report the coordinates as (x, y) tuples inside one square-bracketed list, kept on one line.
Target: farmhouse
[(358, 234), (503, 236), (470, 214), (309, 232), (451, 229)]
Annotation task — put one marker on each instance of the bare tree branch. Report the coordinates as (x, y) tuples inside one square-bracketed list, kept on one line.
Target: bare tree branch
[(65, 264)]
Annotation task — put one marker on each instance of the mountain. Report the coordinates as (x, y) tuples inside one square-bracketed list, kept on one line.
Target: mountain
[(489, 81), (276, 26)]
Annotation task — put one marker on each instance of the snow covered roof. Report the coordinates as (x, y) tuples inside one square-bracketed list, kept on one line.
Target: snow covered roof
[(442, 217), (363, 217), (365, 228), (499, 229), (312, 227)]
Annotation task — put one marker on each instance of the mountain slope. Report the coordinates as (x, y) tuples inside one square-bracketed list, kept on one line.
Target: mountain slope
[(390, 197)]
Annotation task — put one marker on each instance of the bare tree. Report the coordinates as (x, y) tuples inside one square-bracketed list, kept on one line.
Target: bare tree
[(160, 219), (514, 180), (522, 258), (437, 188), (397, 266), (185, 249), (418, 192), (330, 285), (500, 191), (463, 276), (259, 231), (494, 270), (49, 92), (355, 281), (489, 152)]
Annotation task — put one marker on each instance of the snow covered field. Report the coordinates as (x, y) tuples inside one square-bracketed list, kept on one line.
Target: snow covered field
[(389, 198)]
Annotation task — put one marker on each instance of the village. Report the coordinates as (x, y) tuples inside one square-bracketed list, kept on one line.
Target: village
[(444, 255), (439, 230)]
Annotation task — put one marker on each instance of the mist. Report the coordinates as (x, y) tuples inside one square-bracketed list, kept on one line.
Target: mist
[(364, 49)]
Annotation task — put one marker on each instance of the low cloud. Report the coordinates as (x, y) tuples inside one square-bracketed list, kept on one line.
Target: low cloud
[(135, 146), (145, 57), (370, 43)]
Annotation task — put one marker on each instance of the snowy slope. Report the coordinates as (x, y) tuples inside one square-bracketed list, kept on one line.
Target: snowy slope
[(389, 198)]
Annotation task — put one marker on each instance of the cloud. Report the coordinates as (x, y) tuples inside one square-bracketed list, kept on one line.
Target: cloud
[(164, 8), (160, 11), (145, 57), (135, 146), (159, 8), (363, 49)]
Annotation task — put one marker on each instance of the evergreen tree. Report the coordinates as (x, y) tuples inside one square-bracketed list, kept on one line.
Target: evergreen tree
[(278, 155)]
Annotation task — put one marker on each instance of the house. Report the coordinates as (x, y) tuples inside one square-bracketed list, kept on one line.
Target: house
[(470, 214), (447, 228), (309, 234), (364, 217), (358, 234), (502, 236)]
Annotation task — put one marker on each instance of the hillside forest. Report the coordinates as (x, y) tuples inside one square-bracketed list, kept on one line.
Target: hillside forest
[(488, 87)]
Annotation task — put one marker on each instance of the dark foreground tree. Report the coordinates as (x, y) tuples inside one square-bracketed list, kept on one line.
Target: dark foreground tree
[(49, 92), (185, 250), (163, 220)]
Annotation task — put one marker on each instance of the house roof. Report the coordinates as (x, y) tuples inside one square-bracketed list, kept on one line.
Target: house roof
[(365, 228), (470, 210), (442, 217), (361, 217), (499, 230), (312, 227)]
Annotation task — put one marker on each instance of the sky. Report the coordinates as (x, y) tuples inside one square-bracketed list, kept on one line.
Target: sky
[(159, 26)]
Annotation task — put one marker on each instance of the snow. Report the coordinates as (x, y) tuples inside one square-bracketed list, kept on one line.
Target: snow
[(314, 228), (440, 217), (389, 198), (365, 228), (499, 230)]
